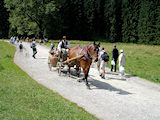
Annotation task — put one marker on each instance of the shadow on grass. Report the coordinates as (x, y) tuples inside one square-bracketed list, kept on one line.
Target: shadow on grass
[(1, 68)]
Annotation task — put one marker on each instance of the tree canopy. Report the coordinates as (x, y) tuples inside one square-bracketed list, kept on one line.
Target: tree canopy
[(136, 21), (4, 24)]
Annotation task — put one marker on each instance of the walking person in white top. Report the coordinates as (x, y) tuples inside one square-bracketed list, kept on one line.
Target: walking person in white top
[(122, 62), (103, 58)]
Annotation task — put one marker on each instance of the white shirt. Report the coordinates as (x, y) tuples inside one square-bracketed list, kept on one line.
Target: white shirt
[(101, 53), (65, 43), (122, 59)]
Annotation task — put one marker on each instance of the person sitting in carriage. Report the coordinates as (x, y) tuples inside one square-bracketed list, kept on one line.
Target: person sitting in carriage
[(52, 49), (63, 46)]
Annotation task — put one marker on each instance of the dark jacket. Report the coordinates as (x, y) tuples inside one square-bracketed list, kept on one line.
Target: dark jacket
[(64, 43), (115, 53)]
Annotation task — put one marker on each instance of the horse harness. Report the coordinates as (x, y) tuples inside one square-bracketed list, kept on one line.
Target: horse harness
[(86, 53)]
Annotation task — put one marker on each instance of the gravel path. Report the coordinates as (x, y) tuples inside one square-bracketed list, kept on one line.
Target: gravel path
[(114, 98)]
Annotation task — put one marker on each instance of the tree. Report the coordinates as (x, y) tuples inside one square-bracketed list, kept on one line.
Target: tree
[(148, 23), (130, 16), (110, 19), (4, 24), (28, 16)]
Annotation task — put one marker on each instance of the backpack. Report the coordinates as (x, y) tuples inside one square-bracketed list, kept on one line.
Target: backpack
[(105, 57), (33, 45), (20, 46)]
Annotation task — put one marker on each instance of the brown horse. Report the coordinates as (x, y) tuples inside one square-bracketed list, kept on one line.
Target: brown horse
[(89, 53)]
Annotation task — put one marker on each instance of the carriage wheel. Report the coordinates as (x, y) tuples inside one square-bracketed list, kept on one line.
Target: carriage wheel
[(59, 68), (49, 64)]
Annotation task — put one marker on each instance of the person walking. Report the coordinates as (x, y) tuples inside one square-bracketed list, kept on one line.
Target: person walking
[(40, 41), (115, 55), (98, 62), (21, 47), (103, 58), (30, 42), (34, 49), (122, 62)]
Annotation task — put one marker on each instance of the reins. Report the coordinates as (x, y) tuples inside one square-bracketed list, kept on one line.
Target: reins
[(86, 53)]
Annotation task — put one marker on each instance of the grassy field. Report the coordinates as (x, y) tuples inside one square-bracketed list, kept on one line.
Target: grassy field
[(141, 60), (23, 98)]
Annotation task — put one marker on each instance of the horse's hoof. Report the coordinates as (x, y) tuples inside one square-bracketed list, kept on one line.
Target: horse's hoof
[(68, 74), (78, 75), (88, 87)]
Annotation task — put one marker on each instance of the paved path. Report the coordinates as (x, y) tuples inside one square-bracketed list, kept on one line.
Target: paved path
[(115, 98)]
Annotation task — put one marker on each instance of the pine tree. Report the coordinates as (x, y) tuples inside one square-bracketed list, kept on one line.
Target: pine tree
[(4, 24)]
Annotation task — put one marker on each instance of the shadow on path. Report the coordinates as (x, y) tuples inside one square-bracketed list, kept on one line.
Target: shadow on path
[(106, 86), (96, 84), (112, 73), (111, 78)]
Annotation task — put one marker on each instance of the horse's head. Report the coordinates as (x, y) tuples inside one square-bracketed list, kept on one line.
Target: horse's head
[(93, 49)]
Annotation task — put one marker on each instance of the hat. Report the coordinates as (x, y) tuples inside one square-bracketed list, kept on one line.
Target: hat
[(64, 37), (121, 51), (114, 45)]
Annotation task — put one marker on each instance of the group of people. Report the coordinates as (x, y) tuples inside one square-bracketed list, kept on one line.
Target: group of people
[(63, 45), (104, 58), (120, 58), (14, 39), (43, 41)]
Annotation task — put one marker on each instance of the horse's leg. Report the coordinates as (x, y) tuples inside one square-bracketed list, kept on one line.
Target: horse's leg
[(78, 70), (86, 77), (69, 72), (85, 72)]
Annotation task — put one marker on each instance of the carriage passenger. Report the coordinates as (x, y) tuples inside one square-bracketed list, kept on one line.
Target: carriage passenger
[(52, 49), (63, 46)]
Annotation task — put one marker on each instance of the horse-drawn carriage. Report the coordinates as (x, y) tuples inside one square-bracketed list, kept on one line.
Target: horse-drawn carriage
[(60, 60), (77, 56)]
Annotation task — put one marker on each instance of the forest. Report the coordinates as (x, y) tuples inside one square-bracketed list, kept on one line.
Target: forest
[(129, 21)]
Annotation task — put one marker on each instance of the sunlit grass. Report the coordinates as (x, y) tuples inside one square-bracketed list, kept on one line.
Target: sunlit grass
[(23, 98)]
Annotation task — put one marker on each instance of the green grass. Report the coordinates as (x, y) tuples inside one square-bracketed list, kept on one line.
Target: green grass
[(23, 98), (141, 60)]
